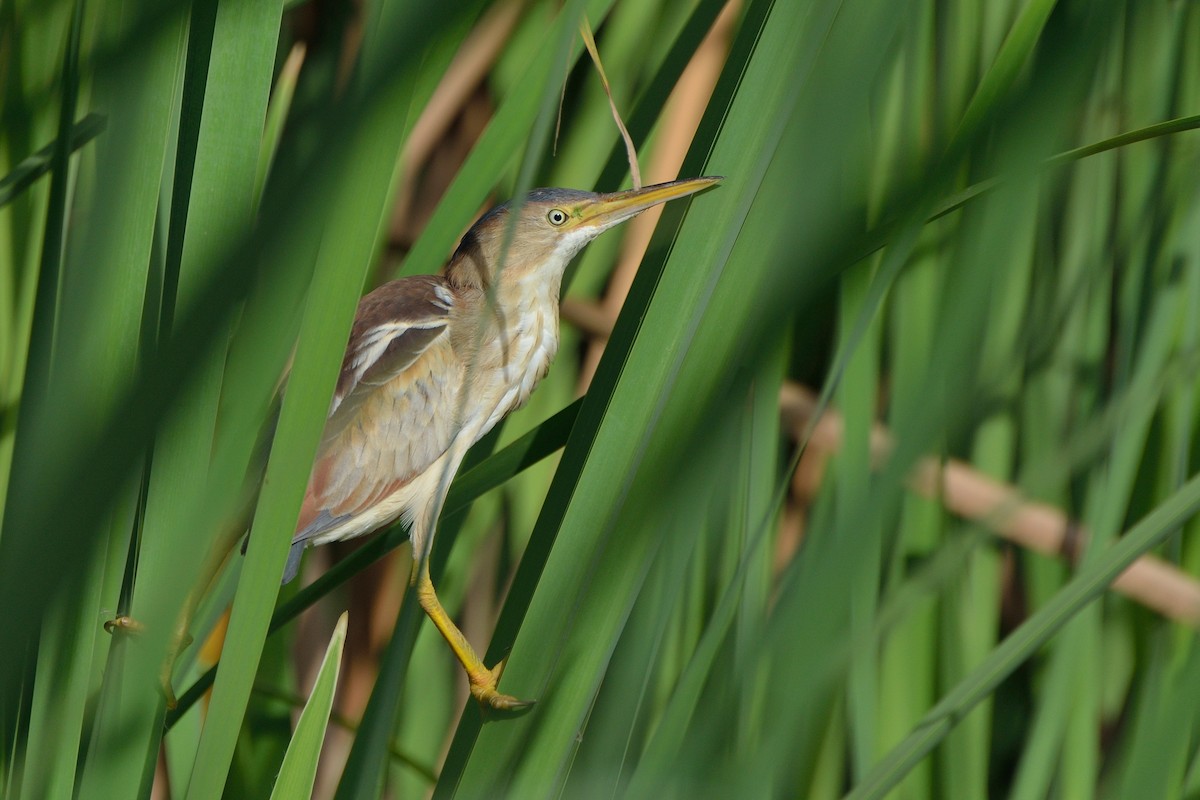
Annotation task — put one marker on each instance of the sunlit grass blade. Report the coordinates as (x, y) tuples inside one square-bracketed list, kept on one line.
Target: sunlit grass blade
[(277, 114), (364, 774), (299, 768)]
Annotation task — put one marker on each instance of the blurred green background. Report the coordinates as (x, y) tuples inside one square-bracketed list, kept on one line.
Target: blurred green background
[(825, 494)]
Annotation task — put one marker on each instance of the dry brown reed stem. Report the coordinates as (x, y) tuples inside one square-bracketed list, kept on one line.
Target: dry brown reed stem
[(967, 492)]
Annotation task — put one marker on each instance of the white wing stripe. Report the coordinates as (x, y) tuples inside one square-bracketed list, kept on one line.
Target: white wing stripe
[(373, 345)]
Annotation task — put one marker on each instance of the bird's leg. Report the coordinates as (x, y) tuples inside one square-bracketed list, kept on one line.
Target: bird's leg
[(482, 680)]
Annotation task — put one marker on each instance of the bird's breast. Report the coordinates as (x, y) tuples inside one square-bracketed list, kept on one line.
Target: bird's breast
[(511, 359), (532, 347)]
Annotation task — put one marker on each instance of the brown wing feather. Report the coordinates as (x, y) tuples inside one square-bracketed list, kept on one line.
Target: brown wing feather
[(387, 421), (392, 327)]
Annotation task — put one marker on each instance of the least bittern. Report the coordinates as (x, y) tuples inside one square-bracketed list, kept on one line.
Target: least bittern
[(434, 362)]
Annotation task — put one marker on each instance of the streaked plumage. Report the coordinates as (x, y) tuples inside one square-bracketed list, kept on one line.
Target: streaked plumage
[(434, 362)]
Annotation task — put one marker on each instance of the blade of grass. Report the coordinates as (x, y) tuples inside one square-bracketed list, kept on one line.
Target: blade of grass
[(299, 769), (211, 191), (23, 175), (1083, 589), (600, 537), (64, 656), (858, 390), (277, 114), (349, 237)]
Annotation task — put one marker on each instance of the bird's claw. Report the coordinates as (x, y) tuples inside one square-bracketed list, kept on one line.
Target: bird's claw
[(484, 690)]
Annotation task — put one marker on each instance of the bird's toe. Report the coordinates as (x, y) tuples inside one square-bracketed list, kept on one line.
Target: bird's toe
[(484, 690)]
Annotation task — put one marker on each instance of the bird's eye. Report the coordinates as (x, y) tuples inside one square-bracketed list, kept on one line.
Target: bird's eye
[(557, 217)]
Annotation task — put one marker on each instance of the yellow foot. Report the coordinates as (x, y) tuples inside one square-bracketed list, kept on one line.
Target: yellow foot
[(483, 689)]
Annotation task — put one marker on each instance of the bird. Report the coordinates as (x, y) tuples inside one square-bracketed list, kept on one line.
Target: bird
[(433, 363)]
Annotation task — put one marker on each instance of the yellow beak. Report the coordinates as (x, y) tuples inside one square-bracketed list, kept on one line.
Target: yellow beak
[(616, 207)]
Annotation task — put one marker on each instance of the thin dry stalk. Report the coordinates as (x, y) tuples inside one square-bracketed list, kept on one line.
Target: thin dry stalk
[(682, 116), (589, 41)]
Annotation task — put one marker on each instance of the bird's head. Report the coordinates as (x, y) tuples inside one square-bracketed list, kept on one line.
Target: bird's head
[(552, 226)]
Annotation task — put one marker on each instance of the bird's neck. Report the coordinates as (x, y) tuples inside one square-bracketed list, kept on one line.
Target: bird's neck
[(468, 270), (522, 290)]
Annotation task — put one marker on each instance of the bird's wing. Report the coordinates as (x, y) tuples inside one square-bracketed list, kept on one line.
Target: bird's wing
[(393, 326), (387, 422)]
